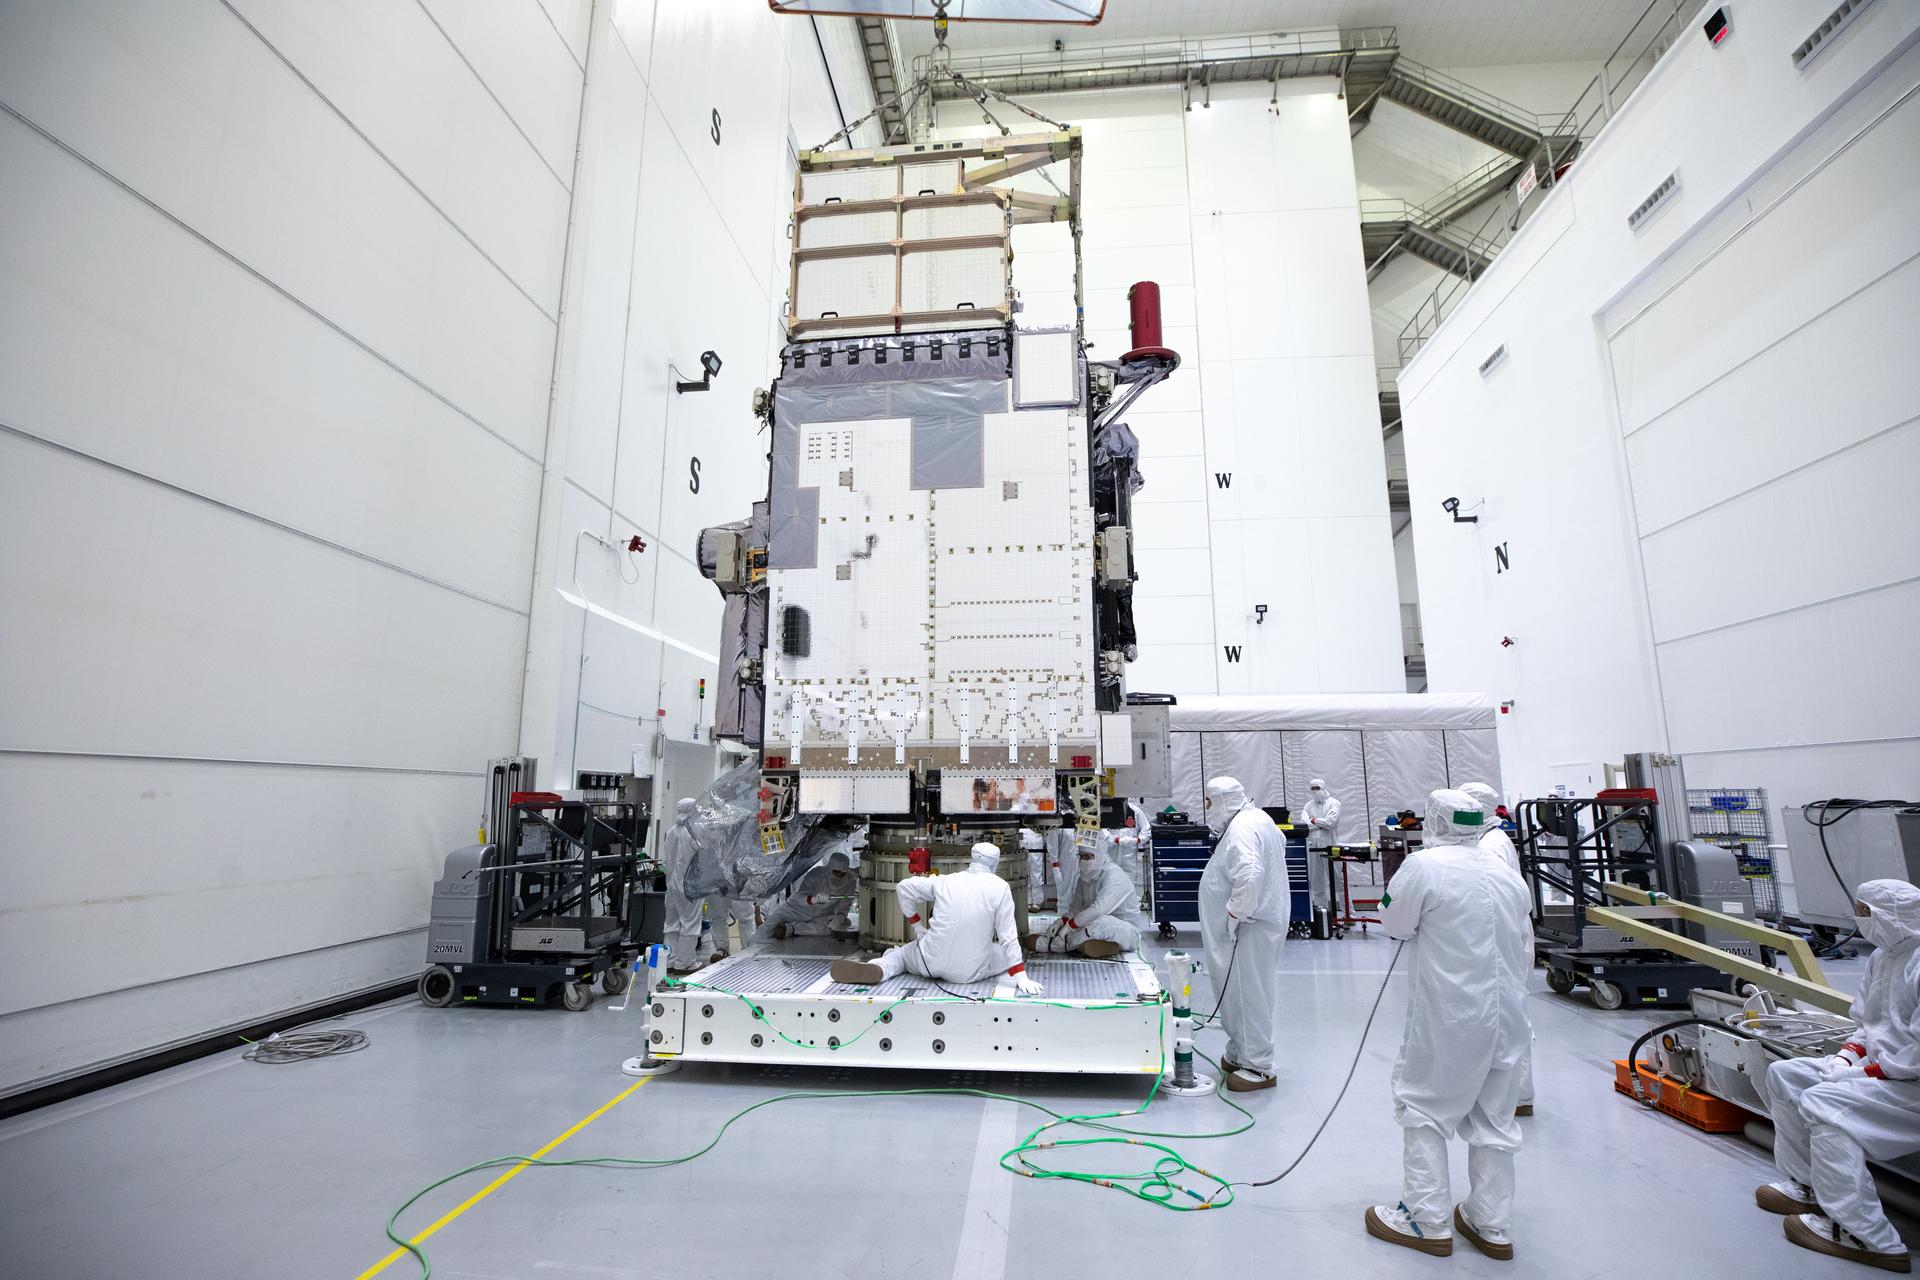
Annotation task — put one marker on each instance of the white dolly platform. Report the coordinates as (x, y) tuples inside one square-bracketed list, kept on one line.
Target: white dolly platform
[(1104, 1017)]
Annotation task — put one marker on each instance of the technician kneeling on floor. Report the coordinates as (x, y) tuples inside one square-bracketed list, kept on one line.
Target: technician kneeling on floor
[(1102, 918), (1470, 952), (970, 935), (1830, 1114)]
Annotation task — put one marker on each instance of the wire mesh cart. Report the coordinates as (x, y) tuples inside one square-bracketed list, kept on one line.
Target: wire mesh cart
[(1735, 818)]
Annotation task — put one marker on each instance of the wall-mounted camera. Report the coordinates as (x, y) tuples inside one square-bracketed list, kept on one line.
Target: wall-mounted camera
[(1452, 507), (710, 364)]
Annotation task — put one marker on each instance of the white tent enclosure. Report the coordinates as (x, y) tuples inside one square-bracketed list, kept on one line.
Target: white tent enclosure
[(1379, 753)]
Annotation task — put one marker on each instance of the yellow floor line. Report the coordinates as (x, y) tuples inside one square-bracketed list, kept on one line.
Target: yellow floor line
[(501, 1181)]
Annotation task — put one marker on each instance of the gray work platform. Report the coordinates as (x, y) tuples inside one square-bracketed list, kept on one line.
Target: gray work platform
[(778, 1002)]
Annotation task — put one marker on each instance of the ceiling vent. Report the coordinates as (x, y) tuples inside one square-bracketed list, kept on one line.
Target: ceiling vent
[(1823, 35), (1659, 196), (1499, 354)]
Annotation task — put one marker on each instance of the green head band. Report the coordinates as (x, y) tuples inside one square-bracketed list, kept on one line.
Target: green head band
[(1468, 817)]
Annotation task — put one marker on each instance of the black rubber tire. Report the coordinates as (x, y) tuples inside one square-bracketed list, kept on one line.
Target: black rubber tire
[(615, 979), (576, 996), (1606, 995), (437, 987), (1559, 981)]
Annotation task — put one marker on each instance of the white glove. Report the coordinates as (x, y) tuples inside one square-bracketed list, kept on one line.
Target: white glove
[(1057, 928), (1026, 986), (1233, 926)]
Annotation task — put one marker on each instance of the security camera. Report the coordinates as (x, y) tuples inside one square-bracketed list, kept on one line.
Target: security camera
[(1059, 45), (1452, 507), (1259, 614), (710, 365)]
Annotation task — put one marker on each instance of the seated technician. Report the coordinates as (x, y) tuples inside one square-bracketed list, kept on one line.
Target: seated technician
[(1103, 917), (1830, 1114), (819, 904), (963, 930)]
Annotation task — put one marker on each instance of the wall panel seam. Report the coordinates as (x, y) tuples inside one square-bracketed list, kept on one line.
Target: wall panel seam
[(488, 89), (560, 345), (657, 538), (1794, 746), (1797, 469), (1662, 642), (224, 968), (563, 41), (261, 276), (23, 434), (275, 764), (706, 192), (386, 159), (1761, 215), (1788, 336)]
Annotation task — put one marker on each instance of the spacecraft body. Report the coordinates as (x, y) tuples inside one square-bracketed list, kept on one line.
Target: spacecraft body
[(928, 619)]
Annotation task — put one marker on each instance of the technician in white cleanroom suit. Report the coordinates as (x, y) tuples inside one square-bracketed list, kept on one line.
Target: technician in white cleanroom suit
[(1244, 904), (818, 904), (970, 936), (722, 913), (1034, 846), (1062, 861), (1103, 918), (1830, 1114), (1322, 813), (1459, 1067), (1496, 843), (683, 913), (1494, 838)]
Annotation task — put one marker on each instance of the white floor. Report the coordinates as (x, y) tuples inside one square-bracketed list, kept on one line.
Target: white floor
[(226, 1168)]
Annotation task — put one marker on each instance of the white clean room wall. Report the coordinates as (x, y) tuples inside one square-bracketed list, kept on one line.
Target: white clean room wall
[(299, 493), (1770, 450), (1262, 454), (1290, 397), (678, 248), (276, 329), (1692, 449)]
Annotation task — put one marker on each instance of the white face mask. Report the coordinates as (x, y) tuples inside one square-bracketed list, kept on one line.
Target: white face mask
[(1878, 930)]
